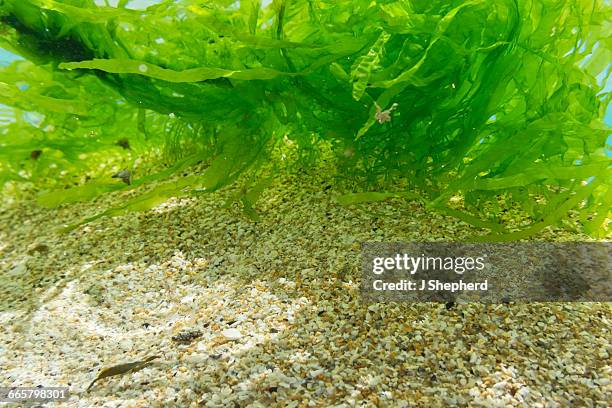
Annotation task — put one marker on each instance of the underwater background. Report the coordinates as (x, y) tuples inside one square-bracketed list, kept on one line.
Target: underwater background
[(187, 185)]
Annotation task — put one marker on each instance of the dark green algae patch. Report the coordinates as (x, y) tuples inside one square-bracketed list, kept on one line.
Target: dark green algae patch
[(472, 107)]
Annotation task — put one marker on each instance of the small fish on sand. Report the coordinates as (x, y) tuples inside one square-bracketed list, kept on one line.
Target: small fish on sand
[(187, 337)]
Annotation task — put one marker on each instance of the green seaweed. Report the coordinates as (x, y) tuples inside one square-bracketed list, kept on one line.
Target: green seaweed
[(497, 103)]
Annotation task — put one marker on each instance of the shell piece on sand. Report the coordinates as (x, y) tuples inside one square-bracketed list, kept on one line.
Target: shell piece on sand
[(231, 334)]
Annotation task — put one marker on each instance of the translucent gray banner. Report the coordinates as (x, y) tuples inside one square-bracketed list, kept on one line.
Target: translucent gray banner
[(487, 272)]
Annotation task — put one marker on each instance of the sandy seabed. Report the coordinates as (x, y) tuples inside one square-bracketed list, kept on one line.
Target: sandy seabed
[(263, 314)]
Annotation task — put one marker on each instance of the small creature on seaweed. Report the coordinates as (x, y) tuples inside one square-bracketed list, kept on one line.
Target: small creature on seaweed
[(124, 143), (124, 175), (383, 116)]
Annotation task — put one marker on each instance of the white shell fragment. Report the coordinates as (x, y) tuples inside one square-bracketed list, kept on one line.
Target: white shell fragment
[(232, 334)]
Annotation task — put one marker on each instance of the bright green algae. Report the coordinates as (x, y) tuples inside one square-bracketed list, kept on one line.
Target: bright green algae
[(498, 103)]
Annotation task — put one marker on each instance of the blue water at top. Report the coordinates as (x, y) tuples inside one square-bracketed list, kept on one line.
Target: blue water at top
[(7, 57)]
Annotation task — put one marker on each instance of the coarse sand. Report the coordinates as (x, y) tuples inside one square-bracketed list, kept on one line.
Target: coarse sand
[(268, 313)]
